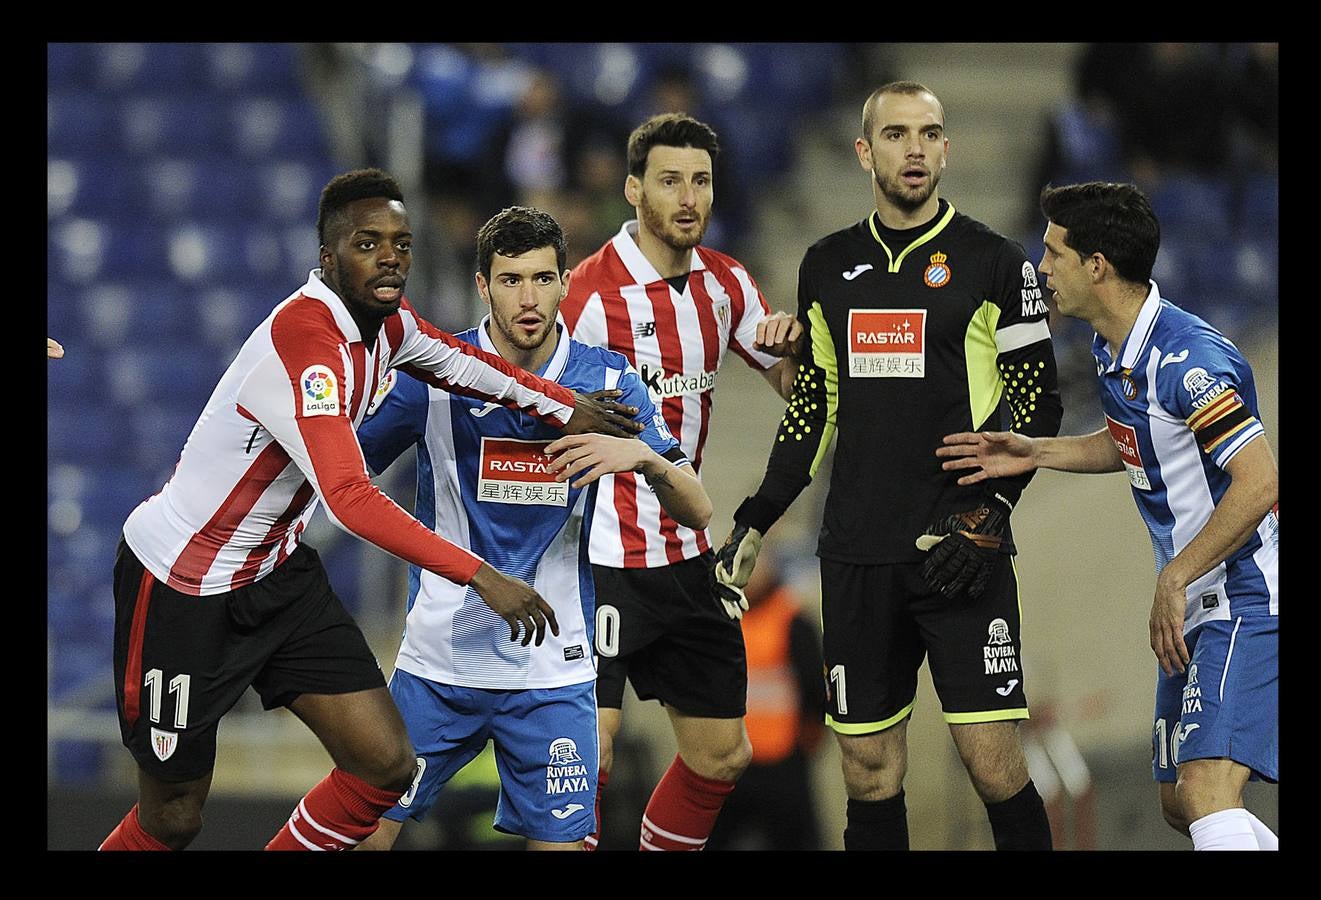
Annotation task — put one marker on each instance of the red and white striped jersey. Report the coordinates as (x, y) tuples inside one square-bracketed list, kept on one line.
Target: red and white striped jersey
[(279, 432), (676, 342)]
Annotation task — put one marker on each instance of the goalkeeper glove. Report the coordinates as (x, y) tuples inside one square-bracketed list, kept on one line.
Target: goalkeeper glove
[(733, 567), (962, 548)]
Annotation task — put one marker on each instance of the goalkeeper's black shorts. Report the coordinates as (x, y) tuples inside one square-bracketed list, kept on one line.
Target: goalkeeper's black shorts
[(880, 621)]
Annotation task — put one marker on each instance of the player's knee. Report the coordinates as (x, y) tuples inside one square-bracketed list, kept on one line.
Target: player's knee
[(874, 778), (173, 824), (391, 767)]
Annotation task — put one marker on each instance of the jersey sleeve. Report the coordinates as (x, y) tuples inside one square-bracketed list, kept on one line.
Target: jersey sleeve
[(1206, 387), (656, 434), (396, 420), (1025, 356), (440, 359), (752, 308), (297, 394), (808, 427)]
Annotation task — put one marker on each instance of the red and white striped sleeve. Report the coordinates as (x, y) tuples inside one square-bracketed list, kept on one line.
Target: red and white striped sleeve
[(298, 394), (747, 308)]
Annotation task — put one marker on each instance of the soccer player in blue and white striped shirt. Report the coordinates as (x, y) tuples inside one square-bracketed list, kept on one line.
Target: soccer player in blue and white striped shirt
[(1181, 419)]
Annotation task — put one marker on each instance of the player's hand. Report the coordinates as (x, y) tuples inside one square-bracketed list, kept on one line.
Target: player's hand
[(598, 412), (962, 549), (516, 602), (595, 455), (1166, 625), (995, 453), (734, 563), (779, 334), (53, 349)]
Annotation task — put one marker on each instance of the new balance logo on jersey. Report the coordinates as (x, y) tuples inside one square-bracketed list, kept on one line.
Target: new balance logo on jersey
[(644, 329), (1174, 358), (567, 811), (857, 270), (661, 385)]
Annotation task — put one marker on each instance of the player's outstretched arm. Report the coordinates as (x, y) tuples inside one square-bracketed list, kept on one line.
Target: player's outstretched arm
[(598, 413), (999, 454), (516, 602), (583, 458)]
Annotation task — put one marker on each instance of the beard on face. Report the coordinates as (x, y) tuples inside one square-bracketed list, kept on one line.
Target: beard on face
[(667, 232), (360, 299), (905, 197), (519, 338)]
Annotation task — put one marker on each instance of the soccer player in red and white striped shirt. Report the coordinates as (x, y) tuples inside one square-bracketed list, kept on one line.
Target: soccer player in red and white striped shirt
[(213, 589), (673, 308)]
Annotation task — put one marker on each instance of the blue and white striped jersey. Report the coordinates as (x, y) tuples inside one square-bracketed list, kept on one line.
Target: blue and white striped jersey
[(483, 484), (1180, 402)]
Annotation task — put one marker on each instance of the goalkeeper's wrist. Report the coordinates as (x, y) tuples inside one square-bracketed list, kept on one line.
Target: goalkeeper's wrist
[(757, 512)]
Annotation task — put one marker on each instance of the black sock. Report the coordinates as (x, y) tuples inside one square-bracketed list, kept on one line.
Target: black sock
[(877, 824), (1020, 822)]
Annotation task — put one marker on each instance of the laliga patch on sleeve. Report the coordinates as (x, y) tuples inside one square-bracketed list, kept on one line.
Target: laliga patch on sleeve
[(320, 391), (382, 391)]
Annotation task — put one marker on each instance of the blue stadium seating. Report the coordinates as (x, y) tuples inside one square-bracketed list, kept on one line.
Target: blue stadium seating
[(1194, 206)]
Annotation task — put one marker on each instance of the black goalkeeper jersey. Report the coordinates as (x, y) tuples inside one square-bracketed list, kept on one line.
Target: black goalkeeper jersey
[(910, 335)]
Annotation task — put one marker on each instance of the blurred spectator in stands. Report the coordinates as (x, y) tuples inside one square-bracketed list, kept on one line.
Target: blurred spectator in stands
[(1256, 106), (773, 807), (598, 172)]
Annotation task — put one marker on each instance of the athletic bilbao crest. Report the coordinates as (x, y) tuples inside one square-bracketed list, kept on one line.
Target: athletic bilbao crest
[(163, 743), (887, 343), (514, 471)]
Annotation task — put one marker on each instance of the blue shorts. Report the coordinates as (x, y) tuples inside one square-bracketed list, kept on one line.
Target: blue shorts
[(1226, 703), (545, 750)]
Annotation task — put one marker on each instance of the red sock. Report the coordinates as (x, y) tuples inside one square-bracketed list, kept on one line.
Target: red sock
[(128, 835), (682, 810), (590, 842), (335, 815)]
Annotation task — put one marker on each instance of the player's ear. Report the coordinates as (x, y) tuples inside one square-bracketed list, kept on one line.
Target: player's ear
[(863, 149), (633, 190), (482, 287), (325, 257), (564, 283)]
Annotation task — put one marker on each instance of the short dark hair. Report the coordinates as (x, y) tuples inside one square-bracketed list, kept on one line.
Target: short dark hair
[(514, 231), (669, 130), (910, 88), (344, 188), (1112, 219)]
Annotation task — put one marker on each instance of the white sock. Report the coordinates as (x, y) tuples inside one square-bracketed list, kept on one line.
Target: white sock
[(1228, 829), (1266, 839)]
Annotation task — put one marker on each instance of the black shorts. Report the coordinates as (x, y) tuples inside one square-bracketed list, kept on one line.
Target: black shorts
[(663, 630), (182, 661), (879, 622)]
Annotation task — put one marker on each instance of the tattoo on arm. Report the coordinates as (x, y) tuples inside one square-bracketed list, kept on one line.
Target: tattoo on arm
[(661, 479)]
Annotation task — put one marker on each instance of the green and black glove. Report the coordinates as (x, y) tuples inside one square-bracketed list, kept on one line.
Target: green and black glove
[(734, 564), (962, 549)]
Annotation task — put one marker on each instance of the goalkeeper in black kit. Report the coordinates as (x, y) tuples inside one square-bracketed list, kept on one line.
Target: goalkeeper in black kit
[(919, 322)]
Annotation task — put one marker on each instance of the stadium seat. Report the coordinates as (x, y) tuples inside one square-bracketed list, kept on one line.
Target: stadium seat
[(122, 312), (68, 65), (79, 124), (129, 67), (180, 122), (247, 67), (263, 126)]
